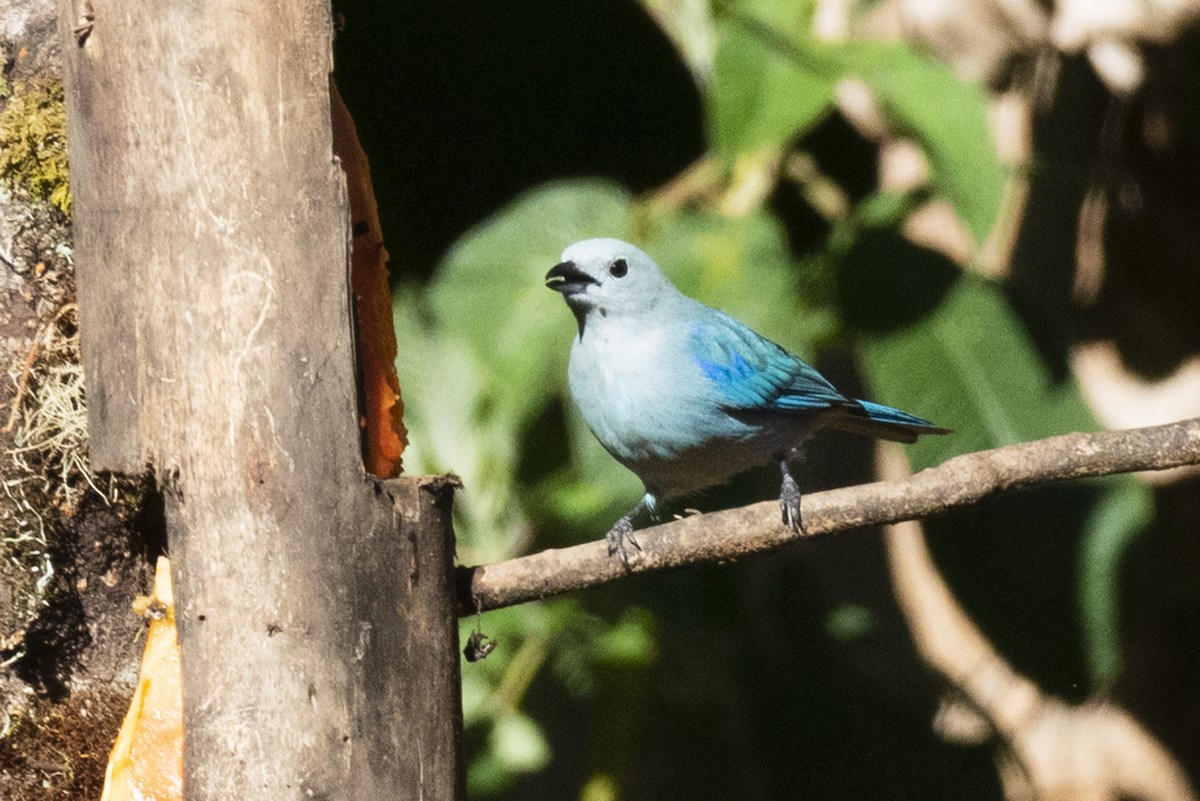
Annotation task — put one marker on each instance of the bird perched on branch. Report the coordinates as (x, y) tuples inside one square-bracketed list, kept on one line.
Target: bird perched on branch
[(684, 395)]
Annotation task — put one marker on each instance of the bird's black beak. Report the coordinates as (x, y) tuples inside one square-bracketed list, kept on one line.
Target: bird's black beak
[(568, 279)]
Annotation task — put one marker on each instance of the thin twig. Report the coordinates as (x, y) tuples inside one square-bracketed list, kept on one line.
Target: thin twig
[(728, 535)]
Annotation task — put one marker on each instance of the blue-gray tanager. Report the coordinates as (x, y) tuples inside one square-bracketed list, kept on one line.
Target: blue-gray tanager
[(684, 395)]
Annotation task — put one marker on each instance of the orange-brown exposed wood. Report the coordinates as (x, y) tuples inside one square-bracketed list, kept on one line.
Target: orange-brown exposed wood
[(383, 409)]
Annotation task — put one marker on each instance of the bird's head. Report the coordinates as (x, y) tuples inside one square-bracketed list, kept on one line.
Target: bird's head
[(609, 277)]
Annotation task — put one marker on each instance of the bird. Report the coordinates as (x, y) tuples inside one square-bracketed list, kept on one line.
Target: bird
[(684, 395)]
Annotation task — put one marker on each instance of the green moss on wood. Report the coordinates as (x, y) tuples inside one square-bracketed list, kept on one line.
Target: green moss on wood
[(33, 142)]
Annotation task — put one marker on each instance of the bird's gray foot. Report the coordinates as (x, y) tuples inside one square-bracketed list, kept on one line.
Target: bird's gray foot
[(620, 535), (789, 500)]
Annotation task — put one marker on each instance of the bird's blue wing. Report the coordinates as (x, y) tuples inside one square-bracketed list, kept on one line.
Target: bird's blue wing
[(750, 372)]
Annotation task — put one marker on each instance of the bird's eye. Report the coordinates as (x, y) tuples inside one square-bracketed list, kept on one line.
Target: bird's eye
[(618, 269)]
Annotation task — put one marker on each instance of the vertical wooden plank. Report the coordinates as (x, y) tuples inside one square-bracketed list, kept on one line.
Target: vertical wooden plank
[(212, 252)]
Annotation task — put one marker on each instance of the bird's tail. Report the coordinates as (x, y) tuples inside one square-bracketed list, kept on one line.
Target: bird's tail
[(883, 422)]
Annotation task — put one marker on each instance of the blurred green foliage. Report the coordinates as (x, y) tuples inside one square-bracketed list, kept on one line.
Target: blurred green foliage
[(483, 365)]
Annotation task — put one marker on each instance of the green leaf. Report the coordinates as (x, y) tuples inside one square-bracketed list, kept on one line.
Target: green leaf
[(850, 622), (519, 744), (1114, 524), (758, 97), (947, 117), (691, 26), (970, 366), (734, 264), (772, 80), (791, 17), (628, 643), (600, 787), (886, 209)]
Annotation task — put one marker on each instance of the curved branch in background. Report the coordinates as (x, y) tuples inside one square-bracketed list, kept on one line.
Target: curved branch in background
[(1050, 749), (727, 535)]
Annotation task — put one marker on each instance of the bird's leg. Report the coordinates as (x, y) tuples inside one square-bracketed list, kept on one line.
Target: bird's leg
[(789, 500), (622, 531)]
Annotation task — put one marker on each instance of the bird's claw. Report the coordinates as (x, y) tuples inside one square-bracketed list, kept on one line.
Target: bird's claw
[(617, 537), (789, 504)]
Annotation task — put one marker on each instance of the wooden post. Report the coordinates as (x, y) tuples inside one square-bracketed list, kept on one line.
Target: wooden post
[(212, 245)]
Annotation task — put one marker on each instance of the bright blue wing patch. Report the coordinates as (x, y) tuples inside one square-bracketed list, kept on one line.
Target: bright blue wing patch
[(737, 369), (754, 373)]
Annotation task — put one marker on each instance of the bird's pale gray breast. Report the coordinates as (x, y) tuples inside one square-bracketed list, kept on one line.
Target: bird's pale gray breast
[(653, 408), (618, 378)]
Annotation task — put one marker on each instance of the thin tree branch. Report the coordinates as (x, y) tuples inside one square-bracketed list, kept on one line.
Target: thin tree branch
[(728, 535)]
